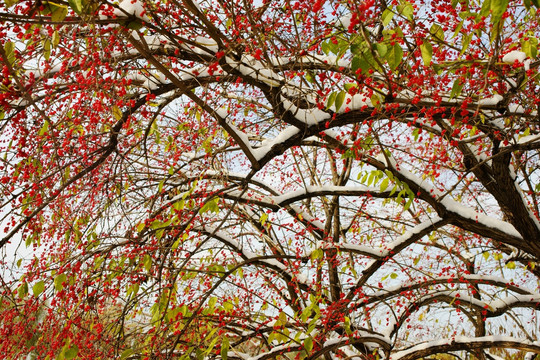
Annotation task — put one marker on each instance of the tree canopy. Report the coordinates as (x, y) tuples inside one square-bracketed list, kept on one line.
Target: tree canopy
[(278, 179)]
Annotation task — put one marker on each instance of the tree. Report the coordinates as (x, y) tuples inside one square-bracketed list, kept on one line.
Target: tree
[(276, 179)]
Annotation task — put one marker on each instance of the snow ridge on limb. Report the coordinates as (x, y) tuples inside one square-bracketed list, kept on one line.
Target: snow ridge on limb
[(452, 209), (410, 237), (268, 261), (464, 299), (464, 343)]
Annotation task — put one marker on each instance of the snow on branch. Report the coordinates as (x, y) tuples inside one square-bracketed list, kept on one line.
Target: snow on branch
[(251, 257), (314, 191), (447, 204), (464, 343)]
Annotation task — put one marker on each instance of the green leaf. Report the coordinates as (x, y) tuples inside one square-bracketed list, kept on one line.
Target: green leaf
[(44, 129), (387, 16), (10, 3), (263, 218), (212, 302), (117, 113), (317, 254), (340, 98), (126, 353), (310, 77), (536, 3), (210, 205), (498, 8), (38, 288), (394, 56), (393, 275), (437, 32), (47, 49), (427, 52), (382, 49), (325, 48), (349, 86), (58, 13), (147, 260), (71, 352), (530, 47), (58, 282), (408, 204), (406, 10), (308, 344), (331, 100), (486, 7), (465, 41), (55, 39), (76, 5), (358, 63), (224, 348), (135, 24), (9, 49), (141, 227), (511, 265), (22, 290), (384, 184), (456, 89), (416, 133)]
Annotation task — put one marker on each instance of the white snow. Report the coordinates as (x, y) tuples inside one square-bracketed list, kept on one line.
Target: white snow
[(410, 233), (344, 21), (326, 59), (251, 67), (516, 109), (225, 238), (528, 139), (153, 41), (198, 72), (149, 81), (308, 218), (362, 249), (514, 55), (19, 102), (460, 340), (267, 145), (352, 102), (314, 59), (131, 7), (197, 5), (480, 155), (498, 123), (456, 207), (527, 64), (309, 117), (40, 73), (310, 189), (201, 45), (494, 100), (500, 304), (240, 134)]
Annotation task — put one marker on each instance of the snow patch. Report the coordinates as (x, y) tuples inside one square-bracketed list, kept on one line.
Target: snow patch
[(267, 145), (494, 100), (309, 116), (149, 81), (512, 56), (131, 7)]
